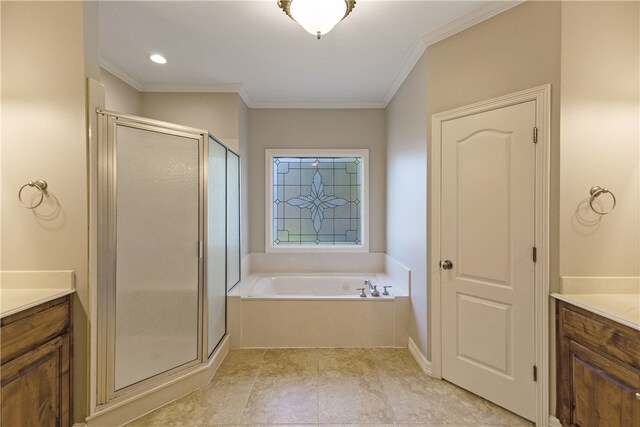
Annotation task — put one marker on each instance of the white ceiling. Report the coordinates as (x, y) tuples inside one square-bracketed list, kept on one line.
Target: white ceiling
[(253, 48)]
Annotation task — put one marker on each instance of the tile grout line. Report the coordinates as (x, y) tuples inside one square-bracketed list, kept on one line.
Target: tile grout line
[(380, 371), (255, 378), (246, 403)]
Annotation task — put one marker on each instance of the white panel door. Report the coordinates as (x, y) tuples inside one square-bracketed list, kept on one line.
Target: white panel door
[(488, 189)]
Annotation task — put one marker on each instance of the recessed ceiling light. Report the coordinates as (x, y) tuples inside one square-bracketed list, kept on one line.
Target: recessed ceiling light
[(158, 59)]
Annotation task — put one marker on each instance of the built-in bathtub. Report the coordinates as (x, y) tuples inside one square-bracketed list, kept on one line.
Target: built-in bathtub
[(317, 311), (314, 287)]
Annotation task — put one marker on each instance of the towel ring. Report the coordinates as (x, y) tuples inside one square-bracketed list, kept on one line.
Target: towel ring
[(41, 185), (597, 191)]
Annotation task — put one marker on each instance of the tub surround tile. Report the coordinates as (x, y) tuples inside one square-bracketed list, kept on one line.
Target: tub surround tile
[(289, 399), (354, 400), (241, 363), (317, 323)]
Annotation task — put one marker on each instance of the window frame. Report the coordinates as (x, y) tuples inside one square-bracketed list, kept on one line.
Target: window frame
[(270, 154)]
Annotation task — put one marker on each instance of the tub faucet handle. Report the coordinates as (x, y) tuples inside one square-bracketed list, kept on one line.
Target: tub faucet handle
[(386, 292), (375, 292), (362, 294)]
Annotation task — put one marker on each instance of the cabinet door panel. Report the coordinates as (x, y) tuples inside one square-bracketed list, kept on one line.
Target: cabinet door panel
[(35, 387), (603, 391)]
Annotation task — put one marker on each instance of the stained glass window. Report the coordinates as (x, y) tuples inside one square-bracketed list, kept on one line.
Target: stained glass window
[(317, 201)]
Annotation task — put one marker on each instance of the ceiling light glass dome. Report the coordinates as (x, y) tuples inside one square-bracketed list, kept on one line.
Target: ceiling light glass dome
[(318, 17)]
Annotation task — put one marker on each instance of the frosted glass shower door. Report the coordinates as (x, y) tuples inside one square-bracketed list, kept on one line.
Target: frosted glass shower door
[(216, 243), (157, 234), (233, 219)]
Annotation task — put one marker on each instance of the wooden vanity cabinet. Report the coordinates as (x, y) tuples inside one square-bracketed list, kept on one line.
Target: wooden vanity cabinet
[(598, 370), (36, 366)]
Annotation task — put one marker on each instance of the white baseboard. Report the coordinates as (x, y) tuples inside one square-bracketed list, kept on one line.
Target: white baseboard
[(554, 422), (424, 364)]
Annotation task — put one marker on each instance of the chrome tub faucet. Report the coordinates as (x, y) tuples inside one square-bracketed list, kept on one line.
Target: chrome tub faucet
[(373, 289)]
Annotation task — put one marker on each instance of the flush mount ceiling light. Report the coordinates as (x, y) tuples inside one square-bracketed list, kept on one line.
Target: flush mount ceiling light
[(158, 59), (318, 17)]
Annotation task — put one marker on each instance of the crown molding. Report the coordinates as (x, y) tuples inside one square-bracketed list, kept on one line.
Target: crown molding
[(482, 13), (318, 105), (192, 87), (129, 79), (242, 92), (246, 97)]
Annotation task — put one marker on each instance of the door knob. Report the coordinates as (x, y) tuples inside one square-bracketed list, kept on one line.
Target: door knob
[(446, 264)]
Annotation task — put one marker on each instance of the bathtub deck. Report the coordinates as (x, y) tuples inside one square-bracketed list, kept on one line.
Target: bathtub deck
[(381, 386)]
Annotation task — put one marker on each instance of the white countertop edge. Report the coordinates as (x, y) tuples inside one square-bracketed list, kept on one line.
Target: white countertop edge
[(57, 293), (571, 299)]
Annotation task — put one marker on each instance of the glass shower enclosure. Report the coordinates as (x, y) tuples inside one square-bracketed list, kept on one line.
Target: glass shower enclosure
[(165, 257)]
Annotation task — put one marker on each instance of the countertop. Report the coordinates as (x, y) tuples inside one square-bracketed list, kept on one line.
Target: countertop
[(25, 289), (621, 308)]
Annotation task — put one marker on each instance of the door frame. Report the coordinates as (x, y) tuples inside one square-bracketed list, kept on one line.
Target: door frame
[(542, 96)]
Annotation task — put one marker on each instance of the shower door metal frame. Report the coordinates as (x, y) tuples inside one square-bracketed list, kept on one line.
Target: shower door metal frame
[(229, 150), (205, 322), (107, 223)]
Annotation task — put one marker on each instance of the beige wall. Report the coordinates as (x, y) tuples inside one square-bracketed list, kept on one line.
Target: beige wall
[(316, 128), (513, 51), (119, 96), (243, 146), (44, 136), (91, 23), (600, 133), (215, 112), (406, 117)]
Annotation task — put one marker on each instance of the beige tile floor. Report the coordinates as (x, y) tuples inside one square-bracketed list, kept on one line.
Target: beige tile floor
[(378, 386)]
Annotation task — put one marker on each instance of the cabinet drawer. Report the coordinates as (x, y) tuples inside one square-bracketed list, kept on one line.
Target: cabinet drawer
[(27, 332), (599, 334)]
